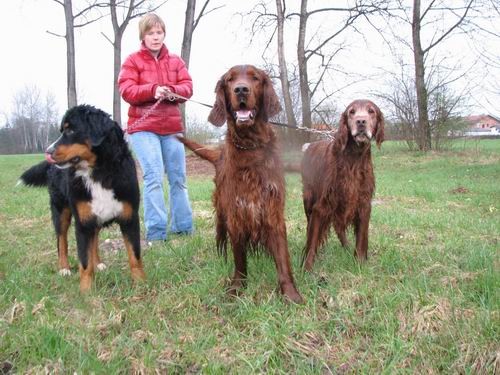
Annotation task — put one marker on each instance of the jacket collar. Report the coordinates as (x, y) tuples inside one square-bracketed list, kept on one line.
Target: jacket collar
[(145, 51)]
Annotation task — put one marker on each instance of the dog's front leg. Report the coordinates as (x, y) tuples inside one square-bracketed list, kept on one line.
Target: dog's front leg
[(86, 240), (361, 225), (277, 245), (239, 278)]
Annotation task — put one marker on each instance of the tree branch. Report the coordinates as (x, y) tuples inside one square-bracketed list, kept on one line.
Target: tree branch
[(450, 29), (52, 33), (109, 40)]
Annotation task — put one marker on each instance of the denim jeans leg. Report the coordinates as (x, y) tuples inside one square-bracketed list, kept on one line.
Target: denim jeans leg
[(181, 215), (147, 148)]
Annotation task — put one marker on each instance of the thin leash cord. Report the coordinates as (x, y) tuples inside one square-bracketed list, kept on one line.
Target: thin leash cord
[(145, 115), (172, 96), (330, 134)]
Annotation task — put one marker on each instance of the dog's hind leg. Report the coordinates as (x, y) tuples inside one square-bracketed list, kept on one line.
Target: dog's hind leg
[(317, 231), (132, 238), (98, 264), (341, 235), (308, 204), (62, 220)]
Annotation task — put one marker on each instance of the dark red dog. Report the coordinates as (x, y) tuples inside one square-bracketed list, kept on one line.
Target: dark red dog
[(338, 180), (249, 196)]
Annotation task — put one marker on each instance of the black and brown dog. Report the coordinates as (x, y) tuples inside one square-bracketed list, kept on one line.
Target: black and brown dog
[(91, 176)]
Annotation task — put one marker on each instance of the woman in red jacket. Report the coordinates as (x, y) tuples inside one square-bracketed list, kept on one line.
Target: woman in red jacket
[(146, 76)]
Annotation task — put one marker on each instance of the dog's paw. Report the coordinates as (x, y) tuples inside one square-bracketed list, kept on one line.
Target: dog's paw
[(101, 267), (65, 272)]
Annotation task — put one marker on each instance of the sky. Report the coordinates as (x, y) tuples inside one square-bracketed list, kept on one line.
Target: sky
[(32, 56)]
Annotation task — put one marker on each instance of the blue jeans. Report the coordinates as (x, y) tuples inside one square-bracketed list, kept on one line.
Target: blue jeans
[(157, 155)]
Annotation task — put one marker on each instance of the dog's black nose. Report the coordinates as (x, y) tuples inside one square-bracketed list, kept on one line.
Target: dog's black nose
[(361, 122), (241, 90)]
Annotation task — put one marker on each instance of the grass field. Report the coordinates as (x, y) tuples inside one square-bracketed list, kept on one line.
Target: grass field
[(427, 301)]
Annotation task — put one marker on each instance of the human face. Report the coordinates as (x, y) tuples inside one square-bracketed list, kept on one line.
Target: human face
[(154, 39)]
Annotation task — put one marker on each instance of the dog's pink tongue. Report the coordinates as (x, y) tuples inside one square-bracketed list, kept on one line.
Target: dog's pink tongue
[(48, 157)]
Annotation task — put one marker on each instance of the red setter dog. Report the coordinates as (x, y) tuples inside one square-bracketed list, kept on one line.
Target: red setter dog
[(249, 196), (338, 180)]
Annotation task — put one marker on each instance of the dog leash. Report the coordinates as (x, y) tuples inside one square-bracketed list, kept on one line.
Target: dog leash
[(172, 96)]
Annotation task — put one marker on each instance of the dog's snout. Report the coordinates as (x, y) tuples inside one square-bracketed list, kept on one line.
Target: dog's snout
[(361, 122), (241, 90), (50, 149)]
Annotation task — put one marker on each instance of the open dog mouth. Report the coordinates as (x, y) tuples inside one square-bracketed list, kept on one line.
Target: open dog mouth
[(244, 116), (62, 164), (362, 138)]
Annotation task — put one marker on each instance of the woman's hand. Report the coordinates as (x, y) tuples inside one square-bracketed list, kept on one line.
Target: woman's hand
[(164, 92)]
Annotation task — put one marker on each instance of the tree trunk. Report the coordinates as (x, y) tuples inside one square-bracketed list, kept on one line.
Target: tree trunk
[(117, 59), (424, 133), (186, 44), (188, 31), (301, 58), (285, 85), (70, 54)]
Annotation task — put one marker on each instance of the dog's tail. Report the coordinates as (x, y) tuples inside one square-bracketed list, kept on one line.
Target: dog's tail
[(37, 175), (204, 152)]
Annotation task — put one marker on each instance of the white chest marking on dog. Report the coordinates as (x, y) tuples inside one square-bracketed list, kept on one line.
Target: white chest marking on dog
[(104, 204)]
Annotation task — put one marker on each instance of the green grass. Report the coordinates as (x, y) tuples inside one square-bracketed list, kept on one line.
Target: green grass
[(427, 301)]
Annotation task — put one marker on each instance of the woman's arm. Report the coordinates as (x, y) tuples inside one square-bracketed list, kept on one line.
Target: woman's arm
[(184, 84), (130, 89)]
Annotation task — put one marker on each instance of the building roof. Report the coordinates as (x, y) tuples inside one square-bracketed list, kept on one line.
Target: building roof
[(475, 119)]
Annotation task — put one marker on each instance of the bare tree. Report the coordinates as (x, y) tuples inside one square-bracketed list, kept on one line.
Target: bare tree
[(122, 12), (433, 24), (305, 91), (320, 47), (191, 21), (460, 13), (444, 108), (80, 19), (402, 106), (266, 19), (33, 119), (360, 10)]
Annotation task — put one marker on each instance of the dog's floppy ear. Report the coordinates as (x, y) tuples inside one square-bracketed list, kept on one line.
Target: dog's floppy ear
[(100, 125), (343, 132), (379, 131), (271, 102), (218, 113)]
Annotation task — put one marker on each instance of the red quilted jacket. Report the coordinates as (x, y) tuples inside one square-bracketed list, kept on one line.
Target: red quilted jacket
[(140, 74)]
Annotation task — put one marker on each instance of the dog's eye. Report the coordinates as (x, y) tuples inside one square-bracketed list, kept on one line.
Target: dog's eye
[(352, 111), (68, 131), (255, 78), (371, 110)]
